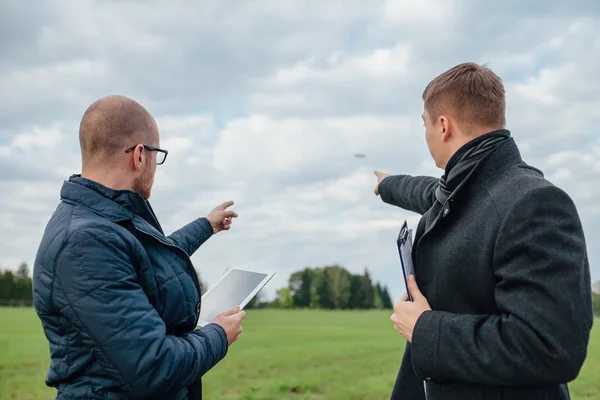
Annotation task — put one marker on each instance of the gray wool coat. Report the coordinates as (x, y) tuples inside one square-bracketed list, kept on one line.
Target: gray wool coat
[(504, 266)]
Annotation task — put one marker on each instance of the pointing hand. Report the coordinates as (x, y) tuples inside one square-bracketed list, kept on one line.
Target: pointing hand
[(380, 177), (220, 217)]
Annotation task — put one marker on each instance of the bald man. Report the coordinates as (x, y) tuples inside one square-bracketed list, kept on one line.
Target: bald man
[(118, 299)]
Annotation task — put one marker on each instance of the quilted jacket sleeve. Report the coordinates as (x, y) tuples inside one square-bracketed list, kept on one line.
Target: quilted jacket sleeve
[(193, 235), (106, 305), (412, 193)]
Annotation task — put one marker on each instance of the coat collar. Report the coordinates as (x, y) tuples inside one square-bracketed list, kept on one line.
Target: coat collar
[(504, 157), (116, 205), (469, 145)]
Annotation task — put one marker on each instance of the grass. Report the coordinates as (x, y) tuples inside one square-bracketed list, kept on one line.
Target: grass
[(281, 355)]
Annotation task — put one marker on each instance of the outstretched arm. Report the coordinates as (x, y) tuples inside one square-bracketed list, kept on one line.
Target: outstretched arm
[(194, 234), (413, 193), (544, 296)]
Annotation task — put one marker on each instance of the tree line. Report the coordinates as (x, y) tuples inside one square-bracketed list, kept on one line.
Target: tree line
[(16, 289), (329, 287)]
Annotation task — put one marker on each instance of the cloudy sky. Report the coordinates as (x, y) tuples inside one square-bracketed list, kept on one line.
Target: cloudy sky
[(266, 102)]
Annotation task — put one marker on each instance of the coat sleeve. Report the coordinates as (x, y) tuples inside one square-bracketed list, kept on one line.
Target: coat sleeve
[(105, 303), (413, 193), (193, 235), (544, 297)]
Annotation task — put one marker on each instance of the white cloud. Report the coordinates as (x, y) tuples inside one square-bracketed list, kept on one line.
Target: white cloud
[(322, 85), (579, 172), (39, 138), (421, 12), (382, 63), (266, 103), (540, 88), (45, 79), (273, 151)]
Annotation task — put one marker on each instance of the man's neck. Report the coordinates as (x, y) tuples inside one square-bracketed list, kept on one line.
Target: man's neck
[(463, 138), (107, 178)]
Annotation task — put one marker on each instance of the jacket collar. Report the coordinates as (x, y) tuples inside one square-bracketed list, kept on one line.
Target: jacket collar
[(505, 156), (116, 205), (469, 145)]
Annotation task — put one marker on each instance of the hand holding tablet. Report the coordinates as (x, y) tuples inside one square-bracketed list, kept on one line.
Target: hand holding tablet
[(235, 288), (231, 321)]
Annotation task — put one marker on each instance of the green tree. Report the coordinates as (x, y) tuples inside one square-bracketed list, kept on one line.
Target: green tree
[(596, 303), (295, 285), (377, 300), (386, 298), (331, 287), (357, 293), (324, 289), (23, 271), (22, 294), (315, 300), (6, 287), (300, 285), (339, 281), (367, 285), (284, 298)]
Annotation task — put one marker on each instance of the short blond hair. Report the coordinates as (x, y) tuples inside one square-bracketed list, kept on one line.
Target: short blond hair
[(472, 93)]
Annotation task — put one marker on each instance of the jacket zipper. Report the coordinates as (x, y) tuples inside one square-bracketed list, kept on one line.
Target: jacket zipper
[(187, 258)]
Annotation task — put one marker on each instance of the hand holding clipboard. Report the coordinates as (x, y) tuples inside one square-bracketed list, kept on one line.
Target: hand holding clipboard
[(405, 251)]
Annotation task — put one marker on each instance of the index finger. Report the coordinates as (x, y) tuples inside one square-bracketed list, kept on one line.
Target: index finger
[(226, 204), (230, 213)]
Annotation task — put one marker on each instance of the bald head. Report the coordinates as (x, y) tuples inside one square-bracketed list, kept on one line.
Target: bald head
[(111, 125)]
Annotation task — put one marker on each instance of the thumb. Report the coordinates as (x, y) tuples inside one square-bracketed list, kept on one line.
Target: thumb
[(413, 288), (241, 315), (234, 310)]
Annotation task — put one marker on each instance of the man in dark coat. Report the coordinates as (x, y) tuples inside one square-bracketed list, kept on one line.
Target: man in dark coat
[(502, 298), (118, 299)]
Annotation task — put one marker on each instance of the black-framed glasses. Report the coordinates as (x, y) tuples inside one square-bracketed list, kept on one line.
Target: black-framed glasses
[(161, 153)]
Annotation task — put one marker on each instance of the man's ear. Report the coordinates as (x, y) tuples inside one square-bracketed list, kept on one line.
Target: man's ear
[(138, 157), (444, 127)]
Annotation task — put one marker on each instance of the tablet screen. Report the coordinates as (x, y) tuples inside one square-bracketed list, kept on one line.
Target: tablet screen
[(230, 292)]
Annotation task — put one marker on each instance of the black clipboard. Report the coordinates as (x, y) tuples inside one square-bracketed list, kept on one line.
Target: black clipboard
[(404, 242)]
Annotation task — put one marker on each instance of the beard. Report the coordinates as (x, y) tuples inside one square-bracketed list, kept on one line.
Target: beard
[(143, 184)]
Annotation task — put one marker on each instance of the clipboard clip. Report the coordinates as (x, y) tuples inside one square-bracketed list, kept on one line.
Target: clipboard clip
[(403, 234)]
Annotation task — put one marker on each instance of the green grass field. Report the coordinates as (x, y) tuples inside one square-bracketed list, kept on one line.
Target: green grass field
[(280, 355)]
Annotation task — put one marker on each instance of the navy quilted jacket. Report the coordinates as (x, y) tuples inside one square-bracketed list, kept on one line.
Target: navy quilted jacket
[(119, 300)]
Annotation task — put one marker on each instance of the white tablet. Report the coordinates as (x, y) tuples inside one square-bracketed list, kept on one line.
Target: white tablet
[(235, 288)]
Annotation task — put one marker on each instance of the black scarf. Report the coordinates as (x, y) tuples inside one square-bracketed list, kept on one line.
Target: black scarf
[(466, 159)]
